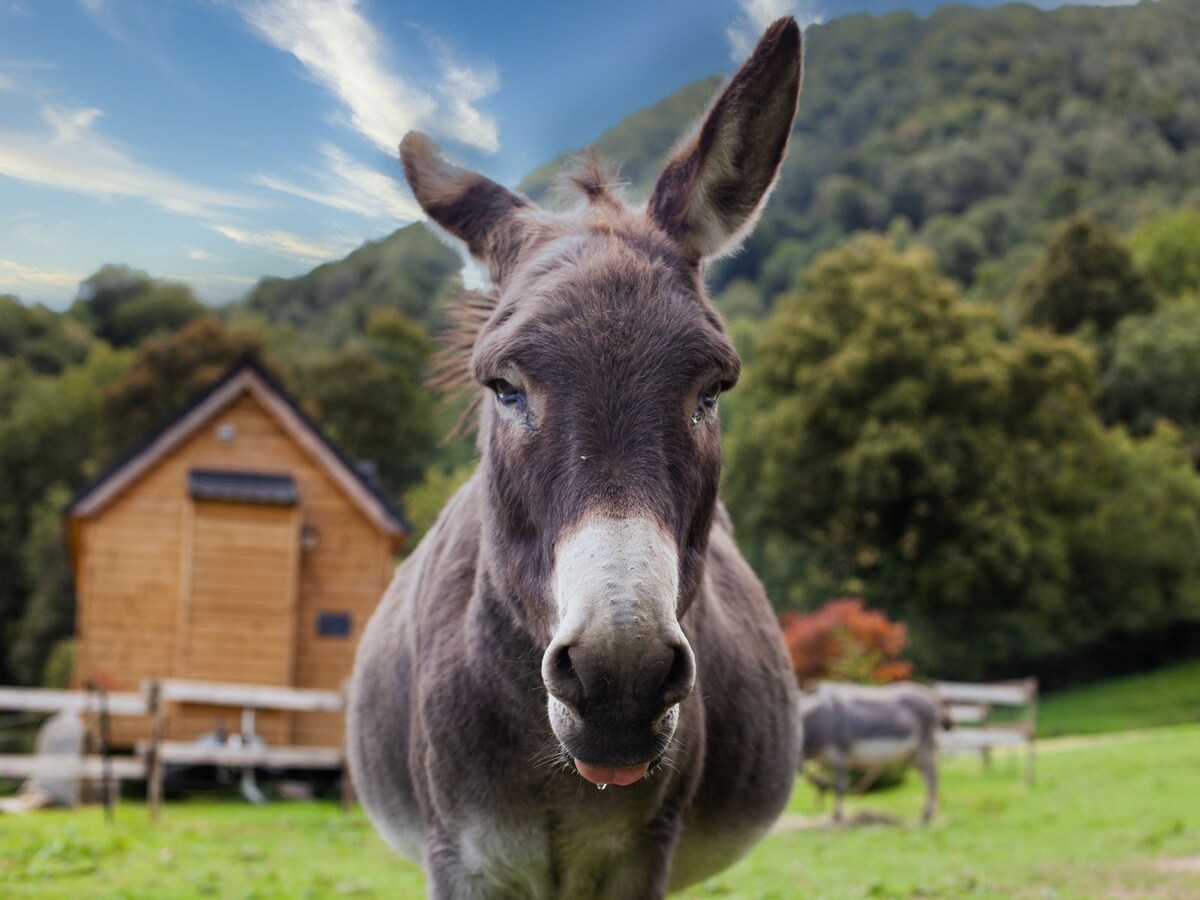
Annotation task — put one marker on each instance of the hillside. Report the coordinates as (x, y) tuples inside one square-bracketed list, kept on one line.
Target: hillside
[(409, 271)]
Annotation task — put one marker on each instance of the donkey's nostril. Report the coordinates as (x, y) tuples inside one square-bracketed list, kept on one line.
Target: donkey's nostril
[(680, 677), (562, 681)]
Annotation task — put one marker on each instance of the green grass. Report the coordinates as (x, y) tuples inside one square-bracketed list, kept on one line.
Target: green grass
[(1169, 696), (1109, 817)]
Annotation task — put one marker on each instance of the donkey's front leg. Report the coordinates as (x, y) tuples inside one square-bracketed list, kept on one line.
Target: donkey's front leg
[(841, 782), (927, 764)]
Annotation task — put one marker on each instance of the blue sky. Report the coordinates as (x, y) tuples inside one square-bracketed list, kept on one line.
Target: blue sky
[(217, 141)]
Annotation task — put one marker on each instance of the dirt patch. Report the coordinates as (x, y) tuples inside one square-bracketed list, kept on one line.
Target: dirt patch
[(797, 822), (1178, 865)]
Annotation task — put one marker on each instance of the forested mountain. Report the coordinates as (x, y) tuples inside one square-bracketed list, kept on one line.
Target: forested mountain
[(973, 129), (409, 272), (983, 416)]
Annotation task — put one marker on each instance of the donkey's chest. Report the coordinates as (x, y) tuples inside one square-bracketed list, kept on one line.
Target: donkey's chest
[(549, 855)]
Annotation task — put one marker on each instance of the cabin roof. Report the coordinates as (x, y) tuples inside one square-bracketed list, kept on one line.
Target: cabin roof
[(247, 375)]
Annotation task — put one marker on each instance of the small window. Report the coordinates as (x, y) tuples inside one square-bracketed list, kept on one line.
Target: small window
[(333, 624)]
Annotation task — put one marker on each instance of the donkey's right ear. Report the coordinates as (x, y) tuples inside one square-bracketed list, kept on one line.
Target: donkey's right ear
[(469, 206)]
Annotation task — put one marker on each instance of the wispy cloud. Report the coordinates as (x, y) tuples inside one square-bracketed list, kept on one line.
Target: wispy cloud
[(345, 54), (71, 155), (202, 256), (286, 245), (348, 185), (16, 278), (756, 15)]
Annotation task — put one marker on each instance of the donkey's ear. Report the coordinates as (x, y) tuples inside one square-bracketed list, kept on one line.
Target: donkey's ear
[(714, 185), (469, 206)]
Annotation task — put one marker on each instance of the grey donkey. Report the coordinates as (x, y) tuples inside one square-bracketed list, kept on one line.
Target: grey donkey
[(867, 727)]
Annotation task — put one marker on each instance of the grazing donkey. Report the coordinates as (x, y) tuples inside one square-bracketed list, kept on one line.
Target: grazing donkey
[(580, 618), (873, 726)]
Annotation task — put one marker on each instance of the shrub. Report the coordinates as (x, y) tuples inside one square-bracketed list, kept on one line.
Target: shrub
[(845, 641)]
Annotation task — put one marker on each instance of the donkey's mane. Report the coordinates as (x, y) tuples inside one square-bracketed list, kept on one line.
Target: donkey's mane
[(589, 177), (451, 373)]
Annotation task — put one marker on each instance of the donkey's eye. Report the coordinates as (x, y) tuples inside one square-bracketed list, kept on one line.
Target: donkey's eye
[(708, 401), (506, 393)]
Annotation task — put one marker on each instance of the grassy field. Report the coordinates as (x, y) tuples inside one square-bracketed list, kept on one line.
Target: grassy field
[(1115, 816), (1169, 696)]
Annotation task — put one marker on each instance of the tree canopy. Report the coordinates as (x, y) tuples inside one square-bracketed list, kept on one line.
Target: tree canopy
[(893, 441)]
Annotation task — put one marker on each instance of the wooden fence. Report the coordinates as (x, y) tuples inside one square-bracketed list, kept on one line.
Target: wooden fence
[(977, 728), (155, 753)]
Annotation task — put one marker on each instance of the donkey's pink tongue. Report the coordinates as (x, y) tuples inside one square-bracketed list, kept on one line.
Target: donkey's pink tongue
[(609, 775)]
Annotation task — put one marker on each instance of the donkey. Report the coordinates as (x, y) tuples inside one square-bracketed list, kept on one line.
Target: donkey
[(575, 686), (871, 727)]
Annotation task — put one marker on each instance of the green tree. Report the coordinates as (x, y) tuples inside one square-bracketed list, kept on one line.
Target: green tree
[(124, 306), (372, 400), (894, 443), (1154, 370), (1167, 249), (47, 341), (165, 373), (49, 614), (1085, 276)]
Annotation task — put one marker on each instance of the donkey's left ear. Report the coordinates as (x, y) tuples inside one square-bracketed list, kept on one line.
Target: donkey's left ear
[(715, 185)]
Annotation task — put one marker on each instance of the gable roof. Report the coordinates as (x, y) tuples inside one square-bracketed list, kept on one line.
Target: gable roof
[(246, 376)]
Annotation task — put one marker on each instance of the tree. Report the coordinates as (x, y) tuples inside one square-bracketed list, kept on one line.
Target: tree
[(372, 399), (1154, 371), (124, 306), (1167, 249), (47, 341), (896, 444), (165, 373), (1085, 276), (49, 614)]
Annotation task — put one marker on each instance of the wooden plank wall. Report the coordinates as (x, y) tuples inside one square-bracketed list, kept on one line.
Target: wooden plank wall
[(131, 578)]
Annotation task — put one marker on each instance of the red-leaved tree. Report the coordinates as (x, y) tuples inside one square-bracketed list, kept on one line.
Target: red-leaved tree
[(845, 641)]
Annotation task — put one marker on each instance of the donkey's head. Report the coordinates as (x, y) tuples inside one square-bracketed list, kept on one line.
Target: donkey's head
[(602, 361)]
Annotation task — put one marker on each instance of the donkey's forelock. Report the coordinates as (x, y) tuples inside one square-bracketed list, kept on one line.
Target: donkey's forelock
[(588, 177)]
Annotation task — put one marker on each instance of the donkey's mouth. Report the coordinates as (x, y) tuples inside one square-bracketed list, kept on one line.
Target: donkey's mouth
[(618, 775)]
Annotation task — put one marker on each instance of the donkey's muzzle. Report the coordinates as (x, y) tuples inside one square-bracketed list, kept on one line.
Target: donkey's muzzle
[(618, 664)]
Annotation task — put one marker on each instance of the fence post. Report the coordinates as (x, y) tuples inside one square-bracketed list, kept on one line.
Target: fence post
[(347, 781), (1031, 686), (154, 761)]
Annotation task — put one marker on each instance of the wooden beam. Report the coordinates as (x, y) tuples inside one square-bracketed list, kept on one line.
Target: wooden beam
[(968, 713), (187, 753), (1000, 693), (29, 765), (51, 701), (252, 696)]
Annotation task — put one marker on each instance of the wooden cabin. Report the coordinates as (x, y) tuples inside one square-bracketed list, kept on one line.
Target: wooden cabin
[(237, 544)]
